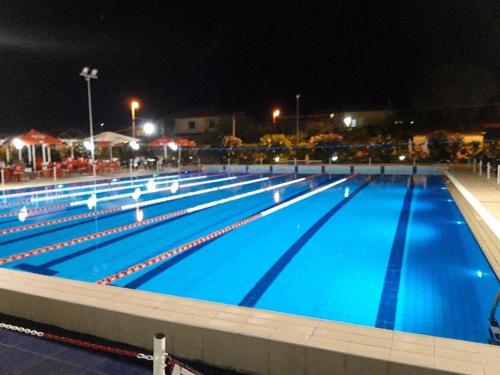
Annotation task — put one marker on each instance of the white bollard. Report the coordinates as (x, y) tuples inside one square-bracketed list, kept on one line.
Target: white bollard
[(480, 167), (130, 166), (159, 354), (498, 174), (488, 170), (54, 173), (370, 161)]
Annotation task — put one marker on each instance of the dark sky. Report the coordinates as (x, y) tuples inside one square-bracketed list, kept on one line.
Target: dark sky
[(235, 55)]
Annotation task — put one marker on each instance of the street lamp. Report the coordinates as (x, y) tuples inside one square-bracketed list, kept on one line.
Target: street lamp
[(297, 97), (276, 114), (88, 74), (134, 105)]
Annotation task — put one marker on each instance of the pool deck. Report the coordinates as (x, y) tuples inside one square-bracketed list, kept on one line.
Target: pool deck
[(248, 339), (481, 211)]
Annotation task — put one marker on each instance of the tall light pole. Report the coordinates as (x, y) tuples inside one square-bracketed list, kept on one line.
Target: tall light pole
[(234, 125), (297, 97), (88, 74), (134, 105)]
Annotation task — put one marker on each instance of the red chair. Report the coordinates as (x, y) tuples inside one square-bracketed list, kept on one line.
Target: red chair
[(115, 166), (18, 172)]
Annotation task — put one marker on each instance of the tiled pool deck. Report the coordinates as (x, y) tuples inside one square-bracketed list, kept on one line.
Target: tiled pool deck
[(23, 354), (246, 339)]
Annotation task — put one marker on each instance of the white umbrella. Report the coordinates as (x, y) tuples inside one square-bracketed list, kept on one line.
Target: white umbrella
[(114, 138)]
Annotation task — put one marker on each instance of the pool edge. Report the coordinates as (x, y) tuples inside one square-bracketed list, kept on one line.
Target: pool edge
[(244, 339), (486, 238)]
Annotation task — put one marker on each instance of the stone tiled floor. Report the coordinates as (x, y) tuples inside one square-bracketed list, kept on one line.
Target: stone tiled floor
[(23, 354), (486, 191)]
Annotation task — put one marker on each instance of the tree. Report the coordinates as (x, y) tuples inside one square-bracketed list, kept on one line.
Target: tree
[(325, 145), (246, 127), (443, 145), (277, 145)]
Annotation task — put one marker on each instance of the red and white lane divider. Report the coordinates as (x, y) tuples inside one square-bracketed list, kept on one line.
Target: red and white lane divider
[(156, 219), (108, 190), (41, 224), (14, 203), (156, 190), (89, 237), (36, 209), (170, 363), (214, 235)]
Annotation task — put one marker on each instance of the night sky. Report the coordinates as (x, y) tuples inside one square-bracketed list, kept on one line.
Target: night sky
[(234, 55)]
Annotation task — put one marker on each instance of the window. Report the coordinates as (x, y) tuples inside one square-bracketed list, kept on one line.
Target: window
[(191, 124), (211, 124)]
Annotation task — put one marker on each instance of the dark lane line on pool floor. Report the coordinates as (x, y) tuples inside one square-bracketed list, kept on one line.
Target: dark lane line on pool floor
[(45, 269), (386, 315), (134, 284), (254, 295)]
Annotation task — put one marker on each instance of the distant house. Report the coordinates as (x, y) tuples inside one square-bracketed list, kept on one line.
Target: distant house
[(192, 124), (334, 120)]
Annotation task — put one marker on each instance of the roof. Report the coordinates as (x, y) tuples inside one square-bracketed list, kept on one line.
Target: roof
[(198, 112), (34, 137)]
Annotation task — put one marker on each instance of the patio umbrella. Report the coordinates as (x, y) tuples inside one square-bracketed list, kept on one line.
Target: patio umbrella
[(111, 139), (165, 140), (33, 138)]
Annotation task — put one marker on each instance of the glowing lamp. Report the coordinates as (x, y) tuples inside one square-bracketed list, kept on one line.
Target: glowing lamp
[(18, 144)]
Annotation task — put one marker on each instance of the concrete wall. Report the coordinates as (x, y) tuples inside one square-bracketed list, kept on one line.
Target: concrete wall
[(389, 169), (245, 339)]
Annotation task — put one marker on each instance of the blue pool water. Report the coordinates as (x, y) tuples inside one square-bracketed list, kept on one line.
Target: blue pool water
[(383, 251)]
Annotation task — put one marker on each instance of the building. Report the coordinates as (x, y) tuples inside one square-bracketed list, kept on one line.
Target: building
[(192, 124), (331, 121)]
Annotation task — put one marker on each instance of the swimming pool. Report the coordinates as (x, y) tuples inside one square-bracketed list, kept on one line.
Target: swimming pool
[(383, 251)]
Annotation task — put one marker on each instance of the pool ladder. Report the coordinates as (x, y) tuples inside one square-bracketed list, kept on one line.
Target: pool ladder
[(494, 328)]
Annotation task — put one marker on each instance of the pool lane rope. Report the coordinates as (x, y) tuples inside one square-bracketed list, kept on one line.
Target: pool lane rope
[(36, 209), (168, 361), (193, 193), (156, 219), (109, 190), (42, 224), (218, 233), (84, 202), (156, 190), (89, 185)]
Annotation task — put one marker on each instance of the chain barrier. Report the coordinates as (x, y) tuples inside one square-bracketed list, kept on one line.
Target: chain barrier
[(169, 363)]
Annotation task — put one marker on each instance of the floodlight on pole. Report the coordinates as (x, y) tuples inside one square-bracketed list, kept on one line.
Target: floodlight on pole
[(297, 97), (88, 74)]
